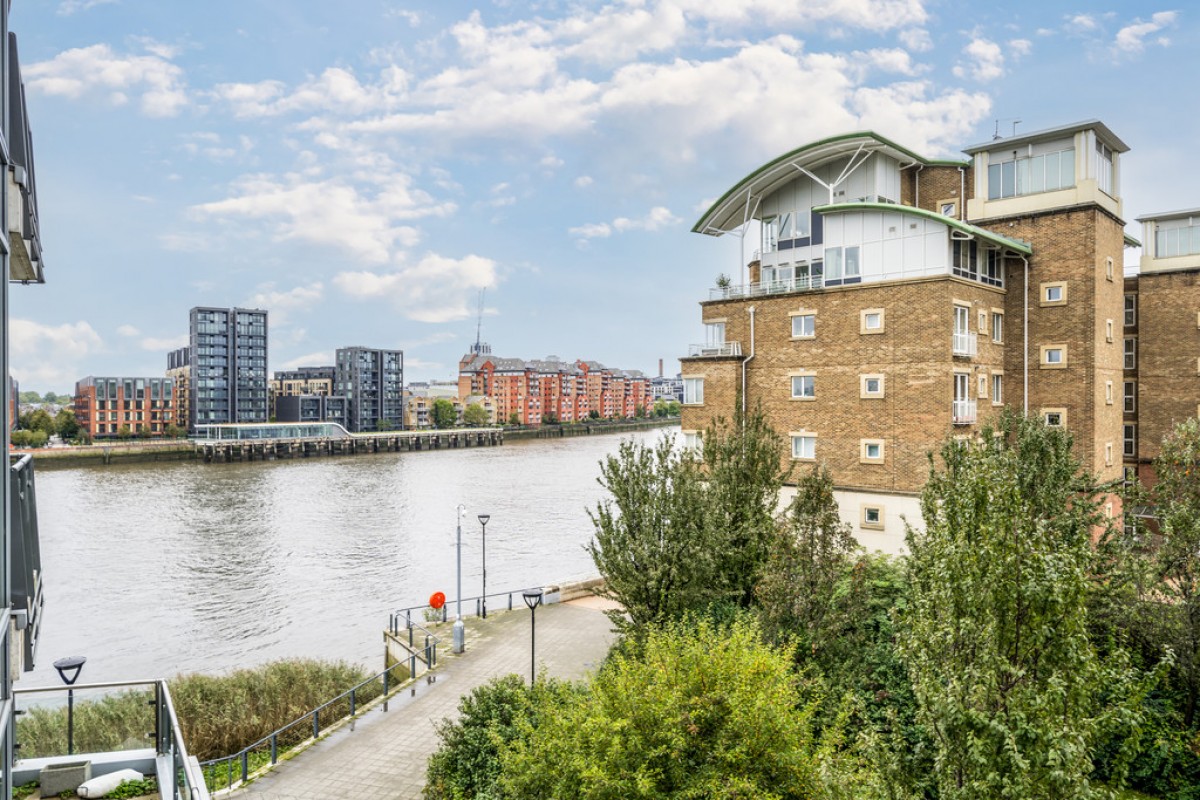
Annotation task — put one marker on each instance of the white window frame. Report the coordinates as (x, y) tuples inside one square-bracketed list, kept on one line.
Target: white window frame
[(1054, 413), (811, 316), (864, 391), (865, 446), (1130, 397), (807, 380), (865, 317), (1049, 360), (802, 440), (693, 391), (867, 511), (997, 326), (1130, 310), (1130, 352), (997, 388), (1129, 443)]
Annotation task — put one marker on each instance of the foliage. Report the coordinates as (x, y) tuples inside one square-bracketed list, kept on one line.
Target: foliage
[(24, 790), (652, 542), (129, 789), (742, 461), (475, 415), (443, 414), (384, 425), (174, 432), (124, 432), (639, 411), (38, 420), (467, 761), (1175, 561), (699, 711), (29, 398), (995, 635), (65, 424), (29, 439), (593, 414), (549, 418), (666, 408), (514, 419), (810, 554)]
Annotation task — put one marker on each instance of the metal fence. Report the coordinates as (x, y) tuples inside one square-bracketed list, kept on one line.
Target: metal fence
[(472, 606)]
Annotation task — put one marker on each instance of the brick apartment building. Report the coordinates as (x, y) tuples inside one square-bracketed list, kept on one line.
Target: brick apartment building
[(569, 390), (896, 300), (106, 407)]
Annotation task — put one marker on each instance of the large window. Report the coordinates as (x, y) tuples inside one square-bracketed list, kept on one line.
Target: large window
[(969, 260), (842, 265), (693, 391), (1177, 237), (804, 326), (1104, 167), (804, 387), (1030, 175)]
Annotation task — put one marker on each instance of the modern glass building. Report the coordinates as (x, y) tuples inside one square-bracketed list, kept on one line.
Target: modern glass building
[(228, 366), (373, 381)]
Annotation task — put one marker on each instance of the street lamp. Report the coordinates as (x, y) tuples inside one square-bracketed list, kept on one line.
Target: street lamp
[(483, 521), (69, 669), (533, 599), (460, 630)]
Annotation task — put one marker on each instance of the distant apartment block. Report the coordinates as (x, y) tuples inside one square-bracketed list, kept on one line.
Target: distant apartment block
[(228, 353), (663, 388), (313, 408), (373, 383), (112, 407), (307, 382), (571, 391), (179, 369)]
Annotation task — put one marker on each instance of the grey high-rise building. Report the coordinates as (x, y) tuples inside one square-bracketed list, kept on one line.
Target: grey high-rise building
[(228, 366), (373, 380)]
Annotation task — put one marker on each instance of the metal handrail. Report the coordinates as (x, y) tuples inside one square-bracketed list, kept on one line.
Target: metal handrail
[(314, 717), (714, 350), (406, 613)]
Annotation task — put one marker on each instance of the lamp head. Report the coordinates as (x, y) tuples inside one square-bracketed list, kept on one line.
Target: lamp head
[(483, 518), (533, 598), (69, 668)]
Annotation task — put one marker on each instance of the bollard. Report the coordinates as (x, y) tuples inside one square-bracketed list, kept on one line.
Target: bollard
[(386, 674), (245, 766), (274, 747)]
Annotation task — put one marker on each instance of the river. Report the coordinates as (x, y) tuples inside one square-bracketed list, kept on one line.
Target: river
[(155, 569)]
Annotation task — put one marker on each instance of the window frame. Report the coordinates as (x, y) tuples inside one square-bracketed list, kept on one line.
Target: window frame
[(803, 436), (811, 384), (997, 329), (865, 393), (1130, 352), (864, 446), (1129, 398), (1130, 318), (693, 381), (869, 312), (867, 524), (997, 388), (1046, 289), (1044, 361), (800, 315)]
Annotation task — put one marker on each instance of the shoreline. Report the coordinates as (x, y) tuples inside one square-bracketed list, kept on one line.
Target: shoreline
[(102, 455)]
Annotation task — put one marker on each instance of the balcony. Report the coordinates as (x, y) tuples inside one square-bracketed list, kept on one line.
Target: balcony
[(723, 350), (962, 412), (965, 344), (803, 283)]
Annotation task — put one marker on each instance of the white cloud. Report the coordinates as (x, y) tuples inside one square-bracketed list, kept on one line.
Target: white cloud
[(1021, 47), (551, 162), (317, 359), (413, 18), (1081, 23), (98, 70), (658, 217), (868, 14), (435, 289), (985, 60), (51, 356), (360, 218), (128, 330), (584, 181), (336, 90), (1132, 38), (280, 303), (917, 40), (68, 7)]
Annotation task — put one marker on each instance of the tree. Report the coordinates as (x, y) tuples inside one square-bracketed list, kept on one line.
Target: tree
[(698, 711), (1175, 561), (443, 414), (475, 415), (50, 397), (995, 634), (174, 432), (124, 432), (29, 398), (384, 425), (30, 439), (742, 459), (652, 542), (810, 555), (549, 418), (639, 411), (38, 420), (593, 414), (66, 424), (514, 419)]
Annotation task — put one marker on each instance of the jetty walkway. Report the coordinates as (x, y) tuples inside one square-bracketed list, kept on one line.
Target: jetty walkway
[(384, 754)]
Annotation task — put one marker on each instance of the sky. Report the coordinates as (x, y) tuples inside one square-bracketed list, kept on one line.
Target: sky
[(374, 173)]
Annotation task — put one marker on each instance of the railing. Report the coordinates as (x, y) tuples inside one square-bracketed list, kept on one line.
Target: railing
[(233, 770), (965, 344), (111, 730), (403, 616), (714, 350), (963, 412), (803, 283)]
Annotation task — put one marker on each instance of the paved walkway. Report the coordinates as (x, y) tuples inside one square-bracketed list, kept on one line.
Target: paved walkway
[(384, 755)]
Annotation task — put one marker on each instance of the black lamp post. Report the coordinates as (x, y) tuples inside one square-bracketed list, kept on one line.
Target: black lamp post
[(69, 669), (533, 599), (483, 521)]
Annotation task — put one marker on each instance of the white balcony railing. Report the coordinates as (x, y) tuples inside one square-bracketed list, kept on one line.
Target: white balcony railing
[(962, 412), (965, 344), (715, 350), (803, 283)]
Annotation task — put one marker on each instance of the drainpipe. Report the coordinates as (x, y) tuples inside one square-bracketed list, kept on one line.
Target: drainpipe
[(747, 361), (1025, 345)]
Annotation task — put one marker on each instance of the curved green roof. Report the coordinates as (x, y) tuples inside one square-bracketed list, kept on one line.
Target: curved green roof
[(720, 216), (1016, 245)]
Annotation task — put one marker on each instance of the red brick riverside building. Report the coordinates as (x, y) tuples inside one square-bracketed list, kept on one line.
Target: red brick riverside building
[(104, 406)]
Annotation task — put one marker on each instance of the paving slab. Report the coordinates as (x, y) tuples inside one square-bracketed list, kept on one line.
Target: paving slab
[(383, 755)]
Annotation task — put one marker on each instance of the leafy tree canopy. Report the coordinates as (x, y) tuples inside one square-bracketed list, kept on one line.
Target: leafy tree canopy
[(443, 414)]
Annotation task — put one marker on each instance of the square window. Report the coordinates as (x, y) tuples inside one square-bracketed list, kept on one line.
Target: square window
[(1054, 419), (872, 320), (804, 446), (872, 518), (804, 387), (804, 326), (1054, 294), (1054, 356), (870, 386), (947, 208), (871, 451)]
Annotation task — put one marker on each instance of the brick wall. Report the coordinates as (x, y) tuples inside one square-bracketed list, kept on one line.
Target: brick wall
[(1168, 357)]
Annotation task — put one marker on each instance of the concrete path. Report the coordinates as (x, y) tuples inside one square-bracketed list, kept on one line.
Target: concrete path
[(384, 755)]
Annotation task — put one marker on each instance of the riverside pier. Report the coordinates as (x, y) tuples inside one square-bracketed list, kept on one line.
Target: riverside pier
[(280, 440)]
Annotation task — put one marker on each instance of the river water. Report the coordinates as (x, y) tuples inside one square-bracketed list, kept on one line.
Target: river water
[(154, 569)]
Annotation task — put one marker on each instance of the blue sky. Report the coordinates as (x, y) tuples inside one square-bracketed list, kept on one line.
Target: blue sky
[(363, 169)]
